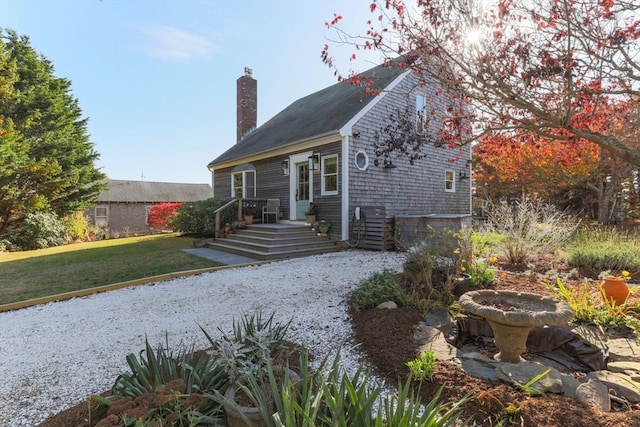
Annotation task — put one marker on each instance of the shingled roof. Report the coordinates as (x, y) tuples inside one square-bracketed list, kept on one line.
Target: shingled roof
[(320, 113), (152, 192)]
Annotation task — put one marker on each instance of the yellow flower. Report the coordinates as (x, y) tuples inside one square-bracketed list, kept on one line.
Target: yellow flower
[(625, 274), (493, 260)]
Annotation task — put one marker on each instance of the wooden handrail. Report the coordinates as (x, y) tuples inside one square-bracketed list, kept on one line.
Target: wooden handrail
[(241, 202), (217, 216)]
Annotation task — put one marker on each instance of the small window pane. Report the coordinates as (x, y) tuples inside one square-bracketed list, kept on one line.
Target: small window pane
[(331, 183), (331, 165), (362, 160), (420, 107), (449, 182)]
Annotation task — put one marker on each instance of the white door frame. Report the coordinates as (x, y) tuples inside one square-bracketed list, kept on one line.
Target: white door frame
[(293, 173)]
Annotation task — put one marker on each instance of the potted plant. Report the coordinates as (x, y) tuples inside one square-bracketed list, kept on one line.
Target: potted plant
[(310, 214), (249, 213), (324, 226)]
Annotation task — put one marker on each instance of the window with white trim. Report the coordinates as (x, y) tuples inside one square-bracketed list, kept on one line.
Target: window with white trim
[(421, 105), (329, 175), (361, 160), (449, 181), (101, 216), (243, 184)]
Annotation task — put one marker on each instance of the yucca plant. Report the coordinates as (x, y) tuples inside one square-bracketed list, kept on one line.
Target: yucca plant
[(254, 342), (164, 385), (405, 410), (329, 396)]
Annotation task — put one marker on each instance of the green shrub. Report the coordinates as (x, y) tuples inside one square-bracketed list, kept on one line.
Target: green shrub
[(433, 267), (39, 230), (481, 273), (376, 289), (604, 249), (423, 367), (76, 226), (485, 242), (199, 218), (529, 228), (98, 232)]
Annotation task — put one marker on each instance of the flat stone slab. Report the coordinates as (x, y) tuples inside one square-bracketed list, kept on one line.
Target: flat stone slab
[(521, 373), (621, 384), (431, 338), (479, 366), (623, 349), (624, 366)]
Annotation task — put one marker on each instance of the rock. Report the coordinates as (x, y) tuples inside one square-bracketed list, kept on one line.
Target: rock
[(439, 318), (478, 365), (594, 393), (627, 367), (623, 349), (621, 384), (521, 373), (569, 385), (431, 338), (387, 305)]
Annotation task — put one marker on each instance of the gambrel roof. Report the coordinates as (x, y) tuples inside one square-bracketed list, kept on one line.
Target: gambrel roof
[(320, 113), (123, 191)]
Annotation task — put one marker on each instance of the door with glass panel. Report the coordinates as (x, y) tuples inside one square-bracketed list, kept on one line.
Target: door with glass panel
[(302, 189)]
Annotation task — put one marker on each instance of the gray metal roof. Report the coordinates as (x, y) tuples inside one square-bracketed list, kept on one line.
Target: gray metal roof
[(317, 114), (153, 192)]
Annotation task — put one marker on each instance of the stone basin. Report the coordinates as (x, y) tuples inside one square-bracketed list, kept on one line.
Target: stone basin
[(512, 315)]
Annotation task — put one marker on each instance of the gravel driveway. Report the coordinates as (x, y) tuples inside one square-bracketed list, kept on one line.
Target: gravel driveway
[(54, 355)]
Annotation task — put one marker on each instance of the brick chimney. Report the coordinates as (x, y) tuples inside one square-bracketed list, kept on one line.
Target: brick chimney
[(247, 104)]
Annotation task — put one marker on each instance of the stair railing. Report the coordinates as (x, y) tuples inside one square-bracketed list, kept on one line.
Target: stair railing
[(241, 205)]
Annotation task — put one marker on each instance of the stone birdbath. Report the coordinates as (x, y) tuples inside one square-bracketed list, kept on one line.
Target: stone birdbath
[(512, 315)]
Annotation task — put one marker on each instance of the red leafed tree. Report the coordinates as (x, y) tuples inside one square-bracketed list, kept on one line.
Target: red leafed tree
[(161, 216), (549, 167), (527, 166), (520, 66)]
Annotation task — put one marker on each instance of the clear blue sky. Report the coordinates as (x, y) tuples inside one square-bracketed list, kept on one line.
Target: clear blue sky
[(157, 79)]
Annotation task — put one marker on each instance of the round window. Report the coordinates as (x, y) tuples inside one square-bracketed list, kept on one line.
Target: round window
[(362, 160)]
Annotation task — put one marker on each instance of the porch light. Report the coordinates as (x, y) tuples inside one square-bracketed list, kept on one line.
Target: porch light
[(314, 162), (462, 175), (388, 164), (285, 167)]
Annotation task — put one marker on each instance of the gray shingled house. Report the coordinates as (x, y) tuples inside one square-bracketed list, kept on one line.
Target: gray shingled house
[(321, 149), (123, 207)]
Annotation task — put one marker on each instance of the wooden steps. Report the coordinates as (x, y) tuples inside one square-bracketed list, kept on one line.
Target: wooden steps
[(276, 241)]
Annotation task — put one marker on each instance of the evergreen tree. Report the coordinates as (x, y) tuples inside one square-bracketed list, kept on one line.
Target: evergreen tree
[(46, 158)]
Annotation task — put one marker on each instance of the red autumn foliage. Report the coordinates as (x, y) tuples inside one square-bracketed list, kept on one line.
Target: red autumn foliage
[(161, 216), (530, 165)]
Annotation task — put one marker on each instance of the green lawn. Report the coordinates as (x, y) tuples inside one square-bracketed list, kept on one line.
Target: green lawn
[(33, 274)]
